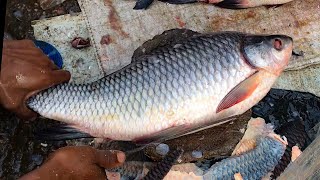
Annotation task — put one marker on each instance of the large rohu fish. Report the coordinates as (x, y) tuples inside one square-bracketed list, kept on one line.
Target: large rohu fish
[(172, 91), (229, 4)]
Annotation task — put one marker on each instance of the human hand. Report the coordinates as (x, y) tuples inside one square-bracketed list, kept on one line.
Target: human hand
[(77, 162), (25, 71)]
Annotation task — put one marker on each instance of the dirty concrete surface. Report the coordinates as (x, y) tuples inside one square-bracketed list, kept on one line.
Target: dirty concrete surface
[(129, 29), (21, 152)]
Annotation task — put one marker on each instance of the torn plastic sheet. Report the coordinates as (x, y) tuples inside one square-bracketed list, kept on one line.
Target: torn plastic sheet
[(294, 115), (282, 106)]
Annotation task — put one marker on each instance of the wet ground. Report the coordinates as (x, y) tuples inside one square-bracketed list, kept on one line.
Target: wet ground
[(19, 15), (20, 152)]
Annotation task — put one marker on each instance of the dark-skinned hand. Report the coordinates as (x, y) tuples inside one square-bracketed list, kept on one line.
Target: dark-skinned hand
[(77, 162), (25, 71)]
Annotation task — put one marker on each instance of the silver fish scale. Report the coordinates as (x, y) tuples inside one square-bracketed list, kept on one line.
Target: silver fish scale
[(120, 102), (252, 165)]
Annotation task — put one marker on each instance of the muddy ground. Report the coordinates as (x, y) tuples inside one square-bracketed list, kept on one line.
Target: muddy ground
[(21, 152), (19, 15)]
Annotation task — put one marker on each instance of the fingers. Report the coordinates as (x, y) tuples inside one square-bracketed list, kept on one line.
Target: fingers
[(109, 159), (32, 55), (24, 113), (18, 43), (52, 78), (48, 79), (59, 76)]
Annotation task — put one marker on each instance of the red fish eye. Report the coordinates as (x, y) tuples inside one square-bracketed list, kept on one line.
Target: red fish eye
[(277, 44)]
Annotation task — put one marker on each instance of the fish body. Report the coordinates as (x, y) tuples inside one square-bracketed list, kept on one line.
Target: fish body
[(229, 4), (173, 91), (252, 165)]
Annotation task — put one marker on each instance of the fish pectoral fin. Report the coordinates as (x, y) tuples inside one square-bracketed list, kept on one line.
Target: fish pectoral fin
[(163, 135), (178, 131), (60, 132), (239, 93)]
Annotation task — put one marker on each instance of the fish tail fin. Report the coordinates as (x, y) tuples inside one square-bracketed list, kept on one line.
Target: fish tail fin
[(60, 132), (142, 4), (179, 1)]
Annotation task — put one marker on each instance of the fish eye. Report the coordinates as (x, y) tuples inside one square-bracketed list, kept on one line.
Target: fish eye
[(277, 44)]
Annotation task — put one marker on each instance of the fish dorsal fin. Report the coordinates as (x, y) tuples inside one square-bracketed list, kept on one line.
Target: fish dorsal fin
[(241, 92), (167, 39)]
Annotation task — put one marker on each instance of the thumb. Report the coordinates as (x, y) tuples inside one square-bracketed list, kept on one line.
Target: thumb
[(58, 76), (110, 158)]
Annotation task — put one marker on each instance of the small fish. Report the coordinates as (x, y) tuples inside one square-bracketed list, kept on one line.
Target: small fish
[(142, 4), (242, 4), (173, 91), (229, 4), (254, 164)]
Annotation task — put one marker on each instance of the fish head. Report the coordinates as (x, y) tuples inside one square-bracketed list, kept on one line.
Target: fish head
[(268, 52)]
